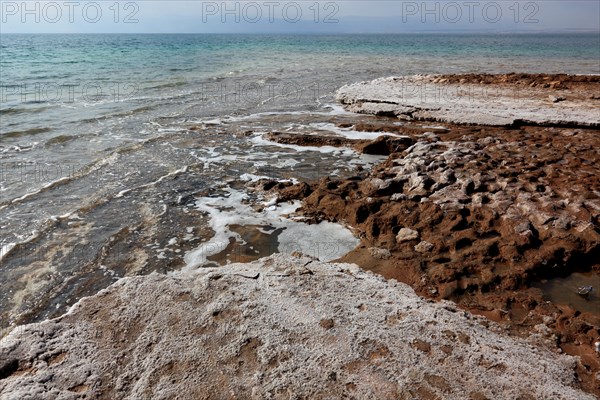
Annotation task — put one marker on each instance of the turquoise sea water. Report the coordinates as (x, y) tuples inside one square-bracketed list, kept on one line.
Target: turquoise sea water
[(66, 79), (96, 154)]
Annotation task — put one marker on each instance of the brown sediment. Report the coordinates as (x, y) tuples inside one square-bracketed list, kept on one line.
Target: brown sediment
[(551, 81), (495, 210), (311, 140), (383, 145)]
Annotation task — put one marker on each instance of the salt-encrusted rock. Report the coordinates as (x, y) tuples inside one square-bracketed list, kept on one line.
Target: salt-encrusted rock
[(431, 136), (380, 184), (419, 183), (281, 327), (398, 197), (447, 177), (479, 199), (380, 254), (424, 247), (406, 235), (428, 98), (556, 99), (468, 186)]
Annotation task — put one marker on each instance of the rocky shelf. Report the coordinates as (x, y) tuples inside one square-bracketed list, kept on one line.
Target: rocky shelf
[(281, 327), (494, 100)]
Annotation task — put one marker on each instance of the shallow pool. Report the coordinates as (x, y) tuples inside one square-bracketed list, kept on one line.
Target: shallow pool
[(564, 291)]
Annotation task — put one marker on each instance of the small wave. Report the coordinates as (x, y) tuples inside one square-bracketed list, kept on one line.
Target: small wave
[(60, 139), (117, 114), (42, 189), (159, 180), (111, 159), (169, 85), (7, 248), (24, 110), (18, 149), (27, 132)]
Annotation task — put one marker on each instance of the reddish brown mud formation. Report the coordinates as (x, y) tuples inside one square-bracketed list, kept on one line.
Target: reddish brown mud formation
[(479, 215)]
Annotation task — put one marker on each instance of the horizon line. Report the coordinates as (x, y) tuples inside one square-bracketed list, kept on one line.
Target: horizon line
[(527, 32)]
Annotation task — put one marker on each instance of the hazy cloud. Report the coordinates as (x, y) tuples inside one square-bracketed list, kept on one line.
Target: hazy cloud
[(352, 16)]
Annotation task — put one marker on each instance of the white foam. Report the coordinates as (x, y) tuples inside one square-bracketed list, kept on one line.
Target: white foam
[(176, 172), (341, 151), (270, 203), (333, 109), (164, 211), (337, 109), (349, 133), (287, 163), (326, 240), (434, 127), (252, 178), (6, 249), (219, 223), (46, 186)]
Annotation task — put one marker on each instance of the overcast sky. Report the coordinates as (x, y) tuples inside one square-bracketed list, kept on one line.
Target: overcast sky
[(393, 16)]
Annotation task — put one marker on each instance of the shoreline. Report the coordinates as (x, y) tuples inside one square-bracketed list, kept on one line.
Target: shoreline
[(442, 214)]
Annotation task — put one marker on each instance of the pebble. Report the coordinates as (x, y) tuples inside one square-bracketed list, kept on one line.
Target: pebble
[(380, 254), (380, 184), (424, 247), (406, 235)]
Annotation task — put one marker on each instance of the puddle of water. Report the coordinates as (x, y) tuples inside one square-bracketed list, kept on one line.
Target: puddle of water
[(256, 242), (242, 234), (564, 291)]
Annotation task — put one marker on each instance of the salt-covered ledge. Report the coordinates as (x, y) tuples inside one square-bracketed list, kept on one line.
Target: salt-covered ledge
[(281, 327), (499, 103)]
